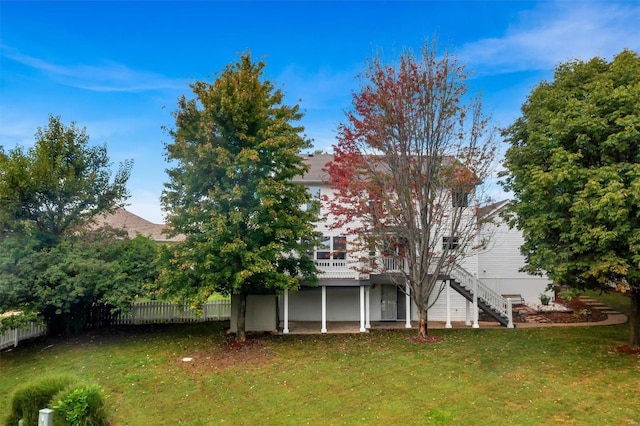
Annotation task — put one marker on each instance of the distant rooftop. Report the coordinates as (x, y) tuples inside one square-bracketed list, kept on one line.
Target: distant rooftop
[(133, 224)]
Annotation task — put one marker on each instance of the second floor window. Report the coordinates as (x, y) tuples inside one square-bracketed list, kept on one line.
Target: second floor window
[(449, 243), (332, 247), (459, 198), (315, 195)]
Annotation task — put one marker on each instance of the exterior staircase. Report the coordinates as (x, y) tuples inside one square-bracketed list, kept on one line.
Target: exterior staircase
[(475, 291)]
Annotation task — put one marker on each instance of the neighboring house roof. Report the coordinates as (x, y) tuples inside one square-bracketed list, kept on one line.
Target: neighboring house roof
[(133, 224)]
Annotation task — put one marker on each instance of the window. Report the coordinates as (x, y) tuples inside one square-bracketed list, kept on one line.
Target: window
[(459, 198), (449, 243), (315, 195), (395, 247), (332, 247)]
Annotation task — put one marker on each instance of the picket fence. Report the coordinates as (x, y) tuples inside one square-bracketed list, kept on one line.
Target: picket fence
[(161, 312), (14, 336), (141, 313)]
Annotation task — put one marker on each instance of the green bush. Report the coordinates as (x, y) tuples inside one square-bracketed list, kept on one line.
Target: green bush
[(79, 406), (28, 399)]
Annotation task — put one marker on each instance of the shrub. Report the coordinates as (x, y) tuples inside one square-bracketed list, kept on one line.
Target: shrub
[(545, 299), (28, 399), (79, 406)]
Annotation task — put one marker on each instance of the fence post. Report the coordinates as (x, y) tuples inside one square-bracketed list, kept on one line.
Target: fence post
[(45, 417), (15, 337)]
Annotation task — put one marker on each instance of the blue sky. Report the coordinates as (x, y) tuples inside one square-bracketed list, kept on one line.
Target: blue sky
[(117, 68)]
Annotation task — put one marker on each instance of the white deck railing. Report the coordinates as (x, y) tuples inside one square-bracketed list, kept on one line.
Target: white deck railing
[(481, 291), (14, 336), (335, 268)]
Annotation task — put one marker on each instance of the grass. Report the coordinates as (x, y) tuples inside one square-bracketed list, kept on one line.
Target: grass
[(481, 377)]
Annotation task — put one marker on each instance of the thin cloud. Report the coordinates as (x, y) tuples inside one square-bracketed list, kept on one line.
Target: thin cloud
[(554, 33), (107, 77)]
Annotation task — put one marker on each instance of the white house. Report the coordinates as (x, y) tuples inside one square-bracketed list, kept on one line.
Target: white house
[(344, 294)]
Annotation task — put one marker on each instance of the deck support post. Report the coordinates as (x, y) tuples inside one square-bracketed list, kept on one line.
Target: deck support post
[(285, 329), (323, 330), (367, 307), (362, 310), (448, 295), (407, 309), (475, 305)]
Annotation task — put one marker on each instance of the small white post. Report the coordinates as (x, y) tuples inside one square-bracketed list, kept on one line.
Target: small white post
[(323, 330), (362, 309), (407, 304), (15, 337), (467, 320), (367, 307), (285, 329), (45, 417), (475, 304), (448, 295), (510, 313)]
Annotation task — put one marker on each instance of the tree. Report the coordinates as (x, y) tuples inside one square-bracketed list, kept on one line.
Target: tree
[(52, 264), (234, 154), (574, 169), (411, 153), (83, 278), (58, 185)]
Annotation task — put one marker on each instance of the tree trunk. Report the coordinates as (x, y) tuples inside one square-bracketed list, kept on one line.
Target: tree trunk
[(241, 320), (422, 323), (634, 319)]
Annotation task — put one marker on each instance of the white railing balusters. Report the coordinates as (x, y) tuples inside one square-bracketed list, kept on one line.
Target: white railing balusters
[(492, 298)]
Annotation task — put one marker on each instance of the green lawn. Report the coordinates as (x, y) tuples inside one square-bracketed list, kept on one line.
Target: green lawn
[(481, 377)]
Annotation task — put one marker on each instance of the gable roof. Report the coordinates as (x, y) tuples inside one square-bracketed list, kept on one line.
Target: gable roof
[(316, 163), (134, 224)]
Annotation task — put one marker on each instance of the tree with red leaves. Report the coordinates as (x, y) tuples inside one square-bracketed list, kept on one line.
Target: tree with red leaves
[(407, 171)]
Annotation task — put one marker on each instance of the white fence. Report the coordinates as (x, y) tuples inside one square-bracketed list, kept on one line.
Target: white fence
[(141, 313), (14, 336), (163, 312)]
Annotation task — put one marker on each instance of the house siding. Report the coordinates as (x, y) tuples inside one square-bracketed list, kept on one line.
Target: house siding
[(499, 264)]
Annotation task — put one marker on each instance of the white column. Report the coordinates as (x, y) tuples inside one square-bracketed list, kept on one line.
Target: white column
[(475, 304), (467, 304), (407, 304), (367, 307), (448, 295), (362, 310), (323, 330), (285, 329), (510, 313)]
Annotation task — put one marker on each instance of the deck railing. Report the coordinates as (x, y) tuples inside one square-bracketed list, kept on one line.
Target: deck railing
[(477, 287)]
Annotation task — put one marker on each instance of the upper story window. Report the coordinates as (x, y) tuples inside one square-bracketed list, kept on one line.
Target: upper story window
[(459, 198), (315, 195), (332, 247), (449, 243)]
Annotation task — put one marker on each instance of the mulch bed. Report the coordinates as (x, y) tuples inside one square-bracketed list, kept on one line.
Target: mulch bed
[(581, 312)]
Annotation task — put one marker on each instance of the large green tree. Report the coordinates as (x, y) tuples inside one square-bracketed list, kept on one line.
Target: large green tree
[(59, 184), (52, 261), (574, 169), (234, 154)]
